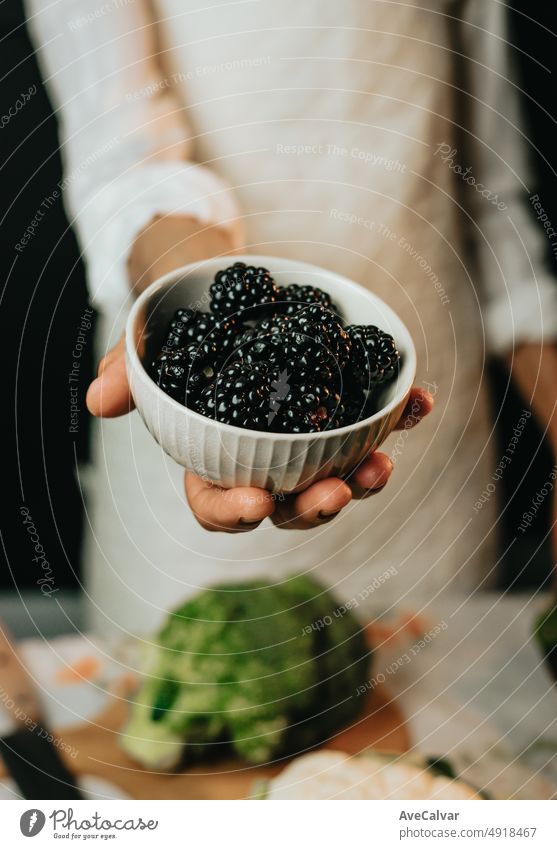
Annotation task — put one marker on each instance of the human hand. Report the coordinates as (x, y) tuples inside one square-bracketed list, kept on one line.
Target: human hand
[(166, 244), (244, 508)]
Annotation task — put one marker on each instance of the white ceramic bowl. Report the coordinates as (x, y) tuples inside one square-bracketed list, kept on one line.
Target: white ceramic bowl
[(232, 456)]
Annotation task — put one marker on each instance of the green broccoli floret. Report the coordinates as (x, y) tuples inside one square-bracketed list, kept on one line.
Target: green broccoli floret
[(269, 669), (545, 631)]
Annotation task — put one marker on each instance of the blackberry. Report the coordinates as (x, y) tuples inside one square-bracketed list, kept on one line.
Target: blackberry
[(293, 345), (226, 333), (169, 371), (241, 289), (273, 359), (302, 405), (323, 325), (254, 345), (317, 312), (297, 421), (316, 393), (273, 324), (176, 335), (374, 356), (263, 343), (302, 348), (239, 396), (186, 315), (264, 397), (201, 328), (220, 332), (355, 406), (293, 297), (184, 372), (326, 373)]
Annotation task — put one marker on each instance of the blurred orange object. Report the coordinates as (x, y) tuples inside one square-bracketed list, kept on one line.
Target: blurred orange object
[(85, 669), (396, 630)]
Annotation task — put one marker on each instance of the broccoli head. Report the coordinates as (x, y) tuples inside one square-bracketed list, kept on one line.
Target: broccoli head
[(269, 669), (546, 633)]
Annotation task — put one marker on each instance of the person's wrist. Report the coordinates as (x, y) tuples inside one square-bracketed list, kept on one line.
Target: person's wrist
[(168, 242)]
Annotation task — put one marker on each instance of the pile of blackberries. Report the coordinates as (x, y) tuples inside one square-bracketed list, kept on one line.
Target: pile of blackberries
[(273, 358)]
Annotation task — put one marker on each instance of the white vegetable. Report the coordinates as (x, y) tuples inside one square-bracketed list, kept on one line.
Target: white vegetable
[(335, 775)]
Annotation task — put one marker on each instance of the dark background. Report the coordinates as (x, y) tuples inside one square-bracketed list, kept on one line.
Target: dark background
[(43, 296), (533, 29)]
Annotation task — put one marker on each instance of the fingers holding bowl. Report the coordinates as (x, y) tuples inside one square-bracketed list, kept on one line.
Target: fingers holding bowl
[(109, 394), (229, 510), (420, 403), (315, 506), (244, 508), (324, 500), (371, 476)]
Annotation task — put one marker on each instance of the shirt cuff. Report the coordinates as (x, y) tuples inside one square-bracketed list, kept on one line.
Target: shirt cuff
[(527, 315), (116, 212)]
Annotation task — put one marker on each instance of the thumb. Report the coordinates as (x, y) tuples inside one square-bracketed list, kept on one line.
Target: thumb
[(109, 394)]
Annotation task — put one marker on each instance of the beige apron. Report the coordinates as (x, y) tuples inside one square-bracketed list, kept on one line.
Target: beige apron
[(328, 135)]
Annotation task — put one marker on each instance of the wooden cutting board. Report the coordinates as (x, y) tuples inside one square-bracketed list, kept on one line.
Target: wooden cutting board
[(381, 726)]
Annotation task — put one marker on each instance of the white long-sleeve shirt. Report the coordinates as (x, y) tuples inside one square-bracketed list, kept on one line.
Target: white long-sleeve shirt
[(129, 151), (327, 133)]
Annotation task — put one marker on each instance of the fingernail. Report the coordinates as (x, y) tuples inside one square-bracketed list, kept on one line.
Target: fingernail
[(248, 522), (379, 479), (328, 514), (374, 490)]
